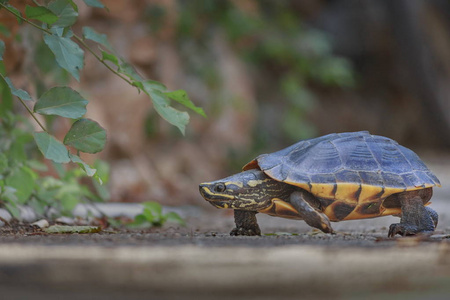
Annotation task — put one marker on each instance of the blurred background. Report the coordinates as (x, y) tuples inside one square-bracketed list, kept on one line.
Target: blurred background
[(267, 73)]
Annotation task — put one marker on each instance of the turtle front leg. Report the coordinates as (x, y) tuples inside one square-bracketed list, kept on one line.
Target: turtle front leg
[(415, 217), (303, 203), (246, 223)]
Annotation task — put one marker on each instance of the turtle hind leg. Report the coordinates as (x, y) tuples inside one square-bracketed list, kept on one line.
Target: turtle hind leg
[(415, 217), (246, 223), (304, 202), (433, 214)]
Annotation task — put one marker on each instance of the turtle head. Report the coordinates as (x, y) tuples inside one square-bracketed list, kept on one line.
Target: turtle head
[(249, 190)]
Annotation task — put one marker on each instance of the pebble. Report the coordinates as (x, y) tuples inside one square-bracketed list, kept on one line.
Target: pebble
[(43, 223)]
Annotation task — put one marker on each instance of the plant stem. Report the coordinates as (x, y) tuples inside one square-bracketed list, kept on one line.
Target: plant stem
[(83, 43), (32, 114), (24, 19), (38, 27), (80, 40)]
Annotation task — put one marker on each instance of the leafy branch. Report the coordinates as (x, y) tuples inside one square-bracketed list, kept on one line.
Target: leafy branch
[(56, 20), (70, 56), (19, 184), (82, 42), (49, 15)]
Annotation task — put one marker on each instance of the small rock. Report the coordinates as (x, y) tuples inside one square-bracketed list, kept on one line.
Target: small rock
[(65, 220), (440, 236), (43, 223)]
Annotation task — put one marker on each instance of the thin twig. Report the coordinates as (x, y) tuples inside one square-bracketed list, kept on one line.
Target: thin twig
[(32, 114), (79, 39), (35, 25), (24, 19), (83, 43)]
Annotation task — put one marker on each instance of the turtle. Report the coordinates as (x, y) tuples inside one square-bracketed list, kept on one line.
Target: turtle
[(335, 177)]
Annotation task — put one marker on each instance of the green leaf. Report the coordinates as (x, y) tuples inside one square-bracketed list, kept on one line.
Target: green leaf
[(8, 194), (67, 53), (101, 176), (110, 57), (58, 31), (22, 180), (16, 92), (17, 151), (2, 49), (51, 148), (74, 6), (154, 207), (87, 136), (13, 210), (155, 85), (140, 221), (76, 159), (103, 169), (94, 3), (39, 207), (40, 13), (68, 202), (91, 34), (127, 69), (161, 103), (174, 217), (6, 103), (65, 11), (61, 101), (138, 84), (3, 161), (72, 229), (149, 216), (181, 97)]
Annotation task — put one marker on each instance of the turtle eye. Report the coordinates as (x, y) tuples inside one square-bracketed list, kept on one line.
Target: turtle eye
[(220, 187)]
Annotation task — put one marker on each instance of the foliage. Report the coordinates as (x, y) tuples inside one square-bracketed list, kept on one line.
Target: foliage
[(287, 57), (20, 179), (152, 216), (61, 53)]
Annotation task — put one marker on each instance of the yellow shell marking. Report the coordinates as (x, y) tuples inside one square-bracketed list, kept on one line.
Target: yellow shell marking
[(280, 208), (323, 190), (369, 192), (346, 191)]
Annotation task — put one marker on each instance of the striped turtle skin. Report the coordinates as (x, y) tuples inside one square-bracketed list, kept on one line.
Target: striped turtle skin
[(354, 175)]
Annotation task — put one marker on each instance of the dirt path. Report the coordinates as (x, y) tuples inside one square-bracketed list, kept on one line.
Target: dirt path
[(201, 261), (191, 263)]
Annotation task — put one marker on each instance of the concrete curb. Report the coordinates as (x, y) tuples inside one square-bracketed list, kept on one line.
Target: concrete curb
[(283, 272)]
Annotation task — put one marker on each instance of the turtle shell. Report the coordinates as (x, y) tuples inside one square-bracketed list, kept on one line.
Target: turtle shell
[(350, 173)]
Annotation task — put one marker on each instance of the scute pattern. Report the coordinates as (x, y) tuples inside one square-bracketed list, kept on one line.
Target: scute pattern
[(349, 161)]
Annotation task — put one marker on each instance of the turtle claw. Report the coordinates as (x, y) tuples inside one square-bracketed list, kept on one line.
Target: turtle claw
[(244, 231), (405, 230), (400, 229)]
